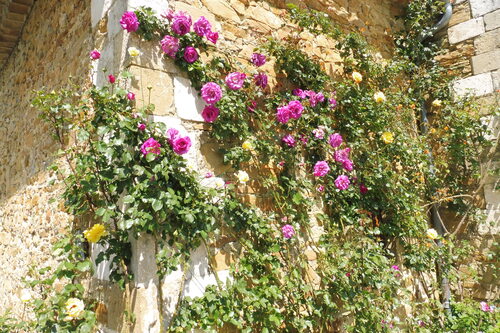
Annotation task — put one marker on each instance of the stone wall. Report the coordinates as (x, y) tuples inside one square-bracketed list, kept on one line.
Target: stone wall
[(54, 44), (473, 37)]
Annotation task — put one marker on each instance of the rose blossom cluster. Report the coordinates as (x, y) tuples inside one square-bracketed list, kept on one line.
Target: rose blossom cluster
[(314, 97), (288, 231), (179, 144), (151, 146), (293, 110)]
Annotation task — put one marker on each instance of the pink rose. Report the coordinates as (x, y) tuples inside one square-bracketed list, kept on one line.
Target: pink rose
[(190, 54), (341, 155), (363, 189), (260, 80), (94, 55), (210, 113), (172, 134), (319, 133), (141, 126), (283, 114), (181, 23), (181, 145), (348, 165), (321, 168), (170, 45), (289, 140), (288, 231), (129, 21), (295, 108), (111, 78), (335, 140), (151, 146), (201, 27), (211, 92), (342, 182), (235, 80), (131, 96), (299, 92), (258, 59), (212, 36)]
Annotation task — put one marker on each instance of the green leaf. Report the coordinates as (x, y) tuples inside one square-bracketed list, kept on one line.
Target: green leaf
[(157, 205)]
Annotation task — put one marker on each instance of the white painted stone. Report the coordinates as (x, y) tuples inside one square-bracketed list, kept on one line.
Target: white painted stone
[(102, 270), (492, 20), (114, 15), (99, 9), (170, 288), (159, 6), (477, 85), (481, 7), (466, 30), (188, 103), (145, 293), (493, 124), (198, 276), (169, 121)]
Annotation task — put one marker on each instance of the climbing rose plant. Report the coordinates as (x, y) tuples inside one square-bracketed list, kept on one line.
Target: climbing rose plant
[(340, 155)]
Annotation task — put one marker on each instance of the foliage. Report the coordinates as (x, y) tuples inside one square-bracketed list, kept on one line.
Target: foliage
[(351, 275)]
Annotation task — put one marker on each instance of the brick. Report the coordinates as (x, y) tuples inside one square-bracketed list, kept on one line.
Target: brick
[(487, 42), (466, 30), (477, 85), (481, 7), (486, 62), (492, 20)]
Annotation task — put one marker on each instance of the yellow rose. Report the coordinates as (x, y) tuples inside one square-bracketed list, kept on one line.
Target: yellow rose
[(437, 103), (247, 145), (219, 183), (432, 234), (379, 97), (133, 52), (74, 308), (387, 137), (242, 176), (357, 77), (95, 233)]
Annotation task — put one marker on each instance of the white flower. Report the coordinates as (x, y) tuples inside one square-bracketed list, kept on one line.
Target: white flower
[(432, 234), (74, 308), (437, 103), (133, 52), (242, 176), (25, 295), (219, 183), (379, 97)]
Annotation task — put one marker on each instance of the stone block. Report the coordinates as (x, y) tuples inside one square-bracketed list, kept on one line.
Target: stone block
[(461, 13), (492, 193), (496, 79), (477, 85), (151, 57), (99, 9), (188, 103), (222, 8), (466, 30), (493, 125), (487, 42), (161, 93), (492, 20), (486, 62), (195, 12), (481, 7), (159, 6)]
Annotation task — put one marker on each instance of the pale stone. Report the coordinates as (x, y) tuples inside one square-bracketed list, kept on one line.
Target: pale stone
[(195, 12), (266, 17), (159, 6), (496, 80), (188, 103), (199, 275), (492, 20), (481, 7), (466, 30), (491, 193), (222, 8), (477, 85), (161, 93), (493, 125), (99, 10), (103, 269), (488, 41), (115, 13), (486, 62), (145, 293)]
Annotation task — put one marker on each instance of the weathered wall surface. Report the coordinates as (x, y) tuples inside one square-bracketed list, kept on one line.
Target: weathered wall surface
[(53, 45), (473, 38)]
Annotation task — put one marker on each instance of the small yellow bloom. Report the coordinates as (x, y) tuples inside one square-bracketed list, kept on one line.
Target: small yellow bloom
[(433, 130), (133, 52), (357, 77), (95, 233), (74, 308), (379, 97), (219, 183), (25, 295), (387, 137), (242, 176), (437, 103), (247, 145), (432, 234)]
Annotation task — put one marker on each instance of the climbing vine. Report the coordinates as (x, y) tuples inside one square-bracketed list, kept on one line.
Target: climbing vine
[(340, 155)]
